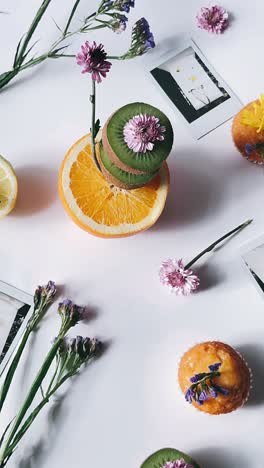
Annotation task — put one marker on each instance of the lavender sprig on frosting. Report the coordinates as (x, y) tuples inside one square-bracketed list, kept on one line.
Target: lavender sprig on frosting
[(203, 387)]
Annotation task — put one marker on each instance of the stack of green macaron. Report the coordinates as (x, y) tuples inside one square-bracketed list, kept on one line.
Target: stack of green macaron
[(121, 165)]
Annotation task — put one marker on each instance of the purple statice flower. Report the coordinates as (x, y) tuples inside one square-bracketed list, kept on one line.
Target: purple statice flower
[(249, 148), (213, 19), (215, 367), (124, 5), (181, 463), (70, 313), (93, 59), (141, 132), (118, 25), (180, 281), (197, 377), (44, 294)]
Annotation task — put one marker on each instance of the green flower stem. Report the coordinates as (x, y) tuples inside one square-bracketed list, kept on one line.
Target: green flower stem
[(12, 368), (22, 49), (214, 244), (93, 102), (31, 395), (26, 425), (70, 17)]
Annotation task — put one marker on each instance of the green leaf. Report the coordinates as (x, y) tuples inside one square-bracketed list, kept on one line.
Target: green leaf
[(97, 127)]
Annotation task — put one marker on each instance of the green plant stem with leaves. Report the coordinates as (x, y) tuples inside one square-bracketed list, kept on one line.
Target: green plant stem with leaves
[(55, 51), (69, 358)]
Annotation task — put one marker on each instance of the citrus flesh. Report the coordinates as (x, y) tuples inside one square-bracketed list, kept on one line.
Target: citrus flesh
[(100, 207), (8, 187)]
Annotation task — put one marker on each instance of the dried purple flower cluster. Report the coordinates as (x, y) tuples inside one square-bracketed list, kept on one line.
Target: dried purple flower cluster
[(70, 313), (213, 19), (250, 148), (141, 132), (203, 387), (180, 281), (177, 464)]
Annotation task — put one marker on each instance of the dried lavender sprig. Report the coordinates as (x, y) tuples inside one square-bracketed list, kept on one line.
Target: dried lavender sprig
[(202, 386), (71, 356), (43, 298), (70, 315)]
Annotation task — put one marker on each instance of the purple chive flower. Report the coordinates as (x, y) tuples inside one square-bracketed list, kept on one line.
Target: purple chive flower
[(93, 59), (215, 367), (181, 463), (213, 19), (249, 148), (180, 281), (197, 377), (141, 132)]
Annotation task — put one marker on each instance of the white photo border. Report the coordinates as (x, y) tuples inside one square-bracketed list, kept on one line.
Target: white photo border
[(24, 298), (214, 117)]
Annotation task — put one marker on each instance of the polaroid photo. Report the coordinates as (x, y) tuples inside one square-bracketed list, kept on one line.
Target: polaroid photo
[(15, 310), (196, 91), (253, 259)]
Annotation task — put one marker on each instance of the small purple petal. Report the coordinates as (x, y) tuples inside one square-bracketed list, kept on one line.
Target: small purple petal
[(249, 148), (197, 377), (215, 367)]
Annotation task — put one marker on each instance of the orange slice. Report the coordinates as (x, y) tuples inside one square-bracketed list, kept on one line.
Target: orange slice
[(102, 208)]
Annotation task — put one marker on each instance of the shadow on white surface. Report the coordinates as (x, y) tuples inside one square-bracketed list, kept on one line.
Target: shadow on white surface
[(216, 457), (253, 355), (37, 189)]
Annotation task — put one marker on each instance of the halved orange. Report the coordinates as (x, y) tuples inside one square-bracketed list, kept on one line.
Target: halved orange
[(102, 208)]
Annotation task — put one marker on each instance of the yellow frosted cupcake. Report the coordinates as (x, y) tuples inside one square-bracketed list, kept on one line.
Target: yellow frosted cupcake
[(214, 378), (248, 131)]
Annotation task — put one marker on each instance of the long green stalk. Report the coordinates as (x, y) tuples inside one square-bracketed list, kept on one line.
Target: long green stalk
[(214, 244), (12, 368), (30, 396)]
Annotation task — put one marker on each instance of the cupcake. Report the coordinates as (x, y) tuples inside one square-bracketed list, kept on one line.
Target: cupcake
[(248, 131), (214, 378), (169, 458)]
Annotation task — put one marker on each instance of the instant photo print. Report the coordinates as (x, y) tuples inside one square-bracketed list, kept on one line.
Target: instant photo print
[(15, 310), (195, 90), (253, 259)]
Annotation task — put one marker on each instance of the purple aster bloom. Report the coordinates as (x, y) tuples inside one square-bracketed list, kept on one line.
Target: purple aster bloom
[(189, 395), (249, 148), (215, 367), (213, 19), (181, 463), (173, 274), (141, 132), (93, 59), (197, 377)]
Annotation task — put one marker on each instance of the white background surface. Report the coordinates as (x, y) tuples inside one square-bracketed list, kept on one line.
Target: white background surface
[(127, 405)]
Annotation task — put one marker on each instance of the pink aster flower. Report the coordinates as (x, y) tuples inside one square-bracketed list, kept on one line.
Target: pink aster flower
[(173, 274), (141, 132), (93, 59), (213, 19), (177, 464)]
